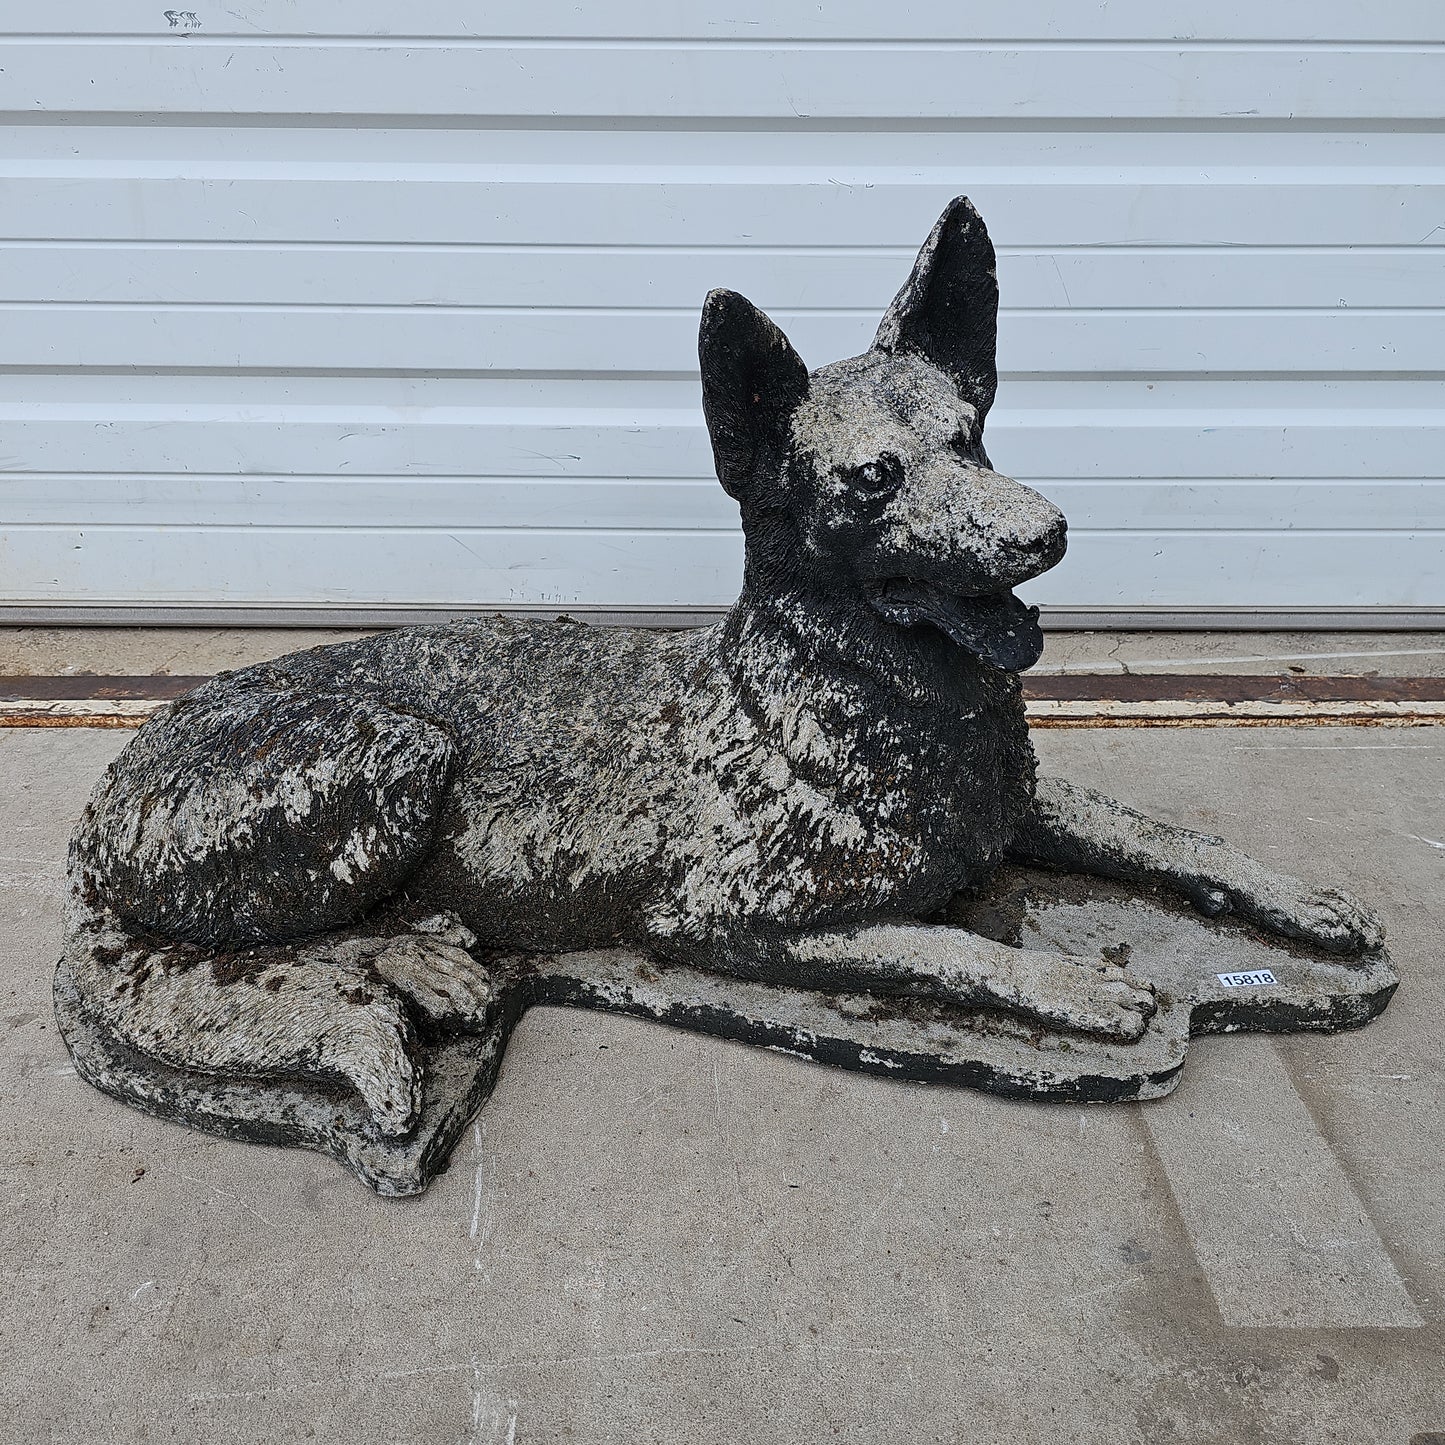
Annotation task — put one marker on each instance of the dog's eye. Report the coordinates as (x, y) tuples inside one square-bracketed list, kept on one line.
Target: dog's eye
[(876, 477)]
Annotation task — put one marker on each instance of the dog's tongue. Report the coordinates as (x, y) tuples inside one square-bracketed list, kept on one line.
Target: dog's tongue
[(1000, 629)]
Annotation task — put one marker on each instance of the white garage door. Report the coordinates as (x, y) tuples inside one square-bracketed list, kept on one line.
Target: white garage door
[(381, 307)]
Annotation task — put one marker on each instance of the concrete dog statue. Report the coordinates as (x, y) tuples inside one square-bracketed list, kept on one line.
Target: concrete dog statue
[(291, 869)]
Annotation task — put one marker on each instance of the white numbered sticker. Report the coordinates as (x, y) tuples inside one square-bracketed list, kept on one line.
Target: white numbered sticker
[(1259, 977)]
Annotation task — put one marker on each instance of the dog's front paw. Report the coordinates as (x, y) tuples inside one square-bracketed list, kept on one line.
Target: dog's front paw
[(1081, 995), (433, 969), (1325, 917)]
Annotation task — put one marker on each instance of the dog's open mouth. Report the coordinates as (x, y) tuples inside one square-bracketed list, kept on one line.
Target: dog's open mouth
[(997, 627)]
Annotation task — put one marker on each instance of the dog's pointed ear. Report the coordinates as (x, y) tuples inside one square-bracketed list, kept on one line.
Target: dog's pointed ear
[(752, 382), (947, 311)]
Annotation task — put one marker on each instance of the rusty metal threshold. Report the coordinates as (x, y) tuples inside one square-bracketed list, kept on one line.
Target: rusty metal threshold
[(1079, 700), (1233, 700)]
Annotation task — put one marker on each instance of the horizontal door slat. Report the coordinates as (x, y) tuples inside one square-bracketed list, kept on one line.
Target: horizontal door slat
[(248, 274), (1100, 444), (672, 504), (1282, 20), (472, 568), (926, 80), (1047, 20), (1188, 212), (431, 341)]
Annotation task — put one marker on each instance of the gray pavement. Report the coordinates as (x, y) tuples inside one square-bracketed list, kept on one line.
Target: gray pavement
[(181, 651), (655, 1237)]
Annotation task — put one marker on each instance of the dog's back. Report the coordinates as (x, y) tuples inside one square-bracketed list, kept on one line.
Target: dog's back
[(294, 796)]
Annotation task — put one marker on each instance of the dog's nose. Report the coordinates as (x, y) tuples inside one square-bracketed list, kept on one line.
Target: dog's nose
[(1038, 536), (1049, 547), (1040, 551)]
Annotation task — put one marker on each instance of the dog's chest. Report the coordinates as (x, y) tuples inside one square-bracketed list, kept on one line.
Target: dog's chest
[(826, 808)]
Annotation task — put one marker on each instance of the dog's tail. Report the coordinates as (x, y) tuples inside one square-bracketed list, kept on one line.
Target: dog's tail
[(331, 1010)]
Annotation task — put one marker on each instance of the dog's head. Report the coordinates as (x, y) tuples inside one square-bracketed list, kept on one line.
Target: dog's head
[(869, 477)]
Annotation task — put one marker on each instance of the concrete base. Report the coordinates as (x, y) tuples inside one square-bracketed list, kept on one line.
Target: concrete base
[(1180, 953)]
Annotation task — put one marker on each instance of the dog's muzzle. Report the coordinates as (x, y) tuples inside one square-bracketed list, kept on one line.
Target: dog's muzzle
[(997, 627)]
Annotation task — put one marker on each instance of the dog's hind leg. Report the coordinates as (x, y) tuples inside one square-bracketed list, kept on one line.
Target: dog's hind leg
[(332, 1007), (247, 814), (1076, 828), (231, 892)]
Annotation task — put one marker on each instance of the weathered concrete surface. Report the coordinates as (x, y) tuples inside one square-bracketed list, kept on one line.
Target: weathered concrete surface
[(1313, 654), (660, 1237), (192, 651), (140, 651)]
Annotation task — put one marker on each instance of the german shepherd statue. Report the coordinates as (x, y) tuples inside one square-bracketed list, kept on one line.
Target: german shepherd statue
[(295, 866)]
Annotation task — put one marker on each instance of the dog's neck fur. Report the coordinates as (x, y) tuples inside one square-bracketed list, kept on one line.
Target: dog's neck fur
[(833, 630), (826, 678)]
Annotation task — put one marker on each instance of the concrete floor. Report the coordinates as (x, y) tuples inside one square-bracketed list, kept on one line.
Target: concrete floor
[(40, 651), (655, 1237)]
